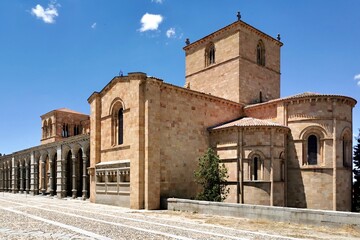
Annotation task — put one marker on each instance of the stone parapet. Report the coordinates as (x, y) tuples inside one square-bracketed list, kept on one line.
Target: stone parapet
[(279, 214)]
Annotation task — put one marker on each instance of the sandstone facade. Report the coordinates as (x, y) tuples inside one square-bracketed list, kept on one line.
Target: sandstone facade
[(146, 135)]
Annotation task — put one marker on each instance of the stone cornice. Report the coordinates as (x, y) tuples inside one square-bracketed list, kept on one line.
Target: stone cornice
[(131, 76), (200, 95), (153, 80), (302, 99), (25, 152), (235, 26)]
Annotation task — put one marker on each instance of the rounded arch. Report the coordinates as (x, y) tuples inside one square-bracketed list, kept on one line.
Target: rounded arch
[(75, 148), (50, 127), (282, 155), (115, 105), (313, 144), (346, 147), (256, 165), (312, 130), (346, 132), (117, 121), (45, 123), (254, 153), (210, 54), (45, 128)]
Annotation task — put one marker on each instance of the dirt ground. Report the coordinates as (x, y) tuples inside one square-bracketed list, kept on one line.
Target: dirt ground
[(278, 228)]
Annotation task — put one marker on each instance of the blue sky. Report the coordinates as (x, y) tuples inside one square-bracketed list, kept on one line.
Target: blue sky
[(55, 54)]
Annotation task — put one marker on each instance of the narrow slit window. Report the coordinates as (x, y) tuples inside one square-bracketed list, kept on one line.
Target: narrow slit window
[(260, 54), (120, 126), (312, 150), (210, 55)]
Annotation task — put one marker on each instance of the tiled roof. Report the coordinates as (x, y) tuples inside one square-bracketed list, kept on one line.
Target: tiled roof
[(248, 122), (68, 110)]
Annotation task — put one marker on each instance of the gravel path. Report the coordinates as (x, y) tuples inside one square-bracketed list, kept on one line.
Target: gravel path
[(39, 217)]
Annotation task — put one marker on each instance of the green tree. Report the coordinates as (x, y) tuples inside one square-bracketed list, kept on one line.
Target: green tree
[(356, 171), (211, 175)]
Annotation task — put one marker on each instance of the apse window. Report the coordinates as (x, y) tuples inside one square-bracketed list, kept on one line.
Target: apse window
[(312, 150)]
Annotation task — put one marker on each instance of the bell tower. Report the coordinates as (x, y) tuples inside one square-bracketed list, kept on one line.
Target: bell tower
[(237, 62)]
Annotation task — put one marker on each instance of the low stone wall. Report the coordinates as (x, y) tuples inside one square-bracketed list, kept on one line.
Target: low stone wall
[(279, 214)]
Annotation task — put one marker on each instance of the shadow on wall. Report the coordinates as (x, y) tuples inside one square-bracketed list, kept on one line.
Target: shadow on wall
[(295, 185)]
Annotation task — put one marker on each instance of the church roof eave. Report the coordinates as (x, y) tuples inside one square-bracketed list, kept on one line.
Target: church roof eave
[(247, 122)]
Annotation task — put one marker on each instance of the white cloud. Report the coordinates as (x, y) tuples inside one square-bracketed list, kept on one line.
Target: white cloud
[(93, 26), (150, 22), (357, 78), (157, 1), (171, 32), (48, 14)]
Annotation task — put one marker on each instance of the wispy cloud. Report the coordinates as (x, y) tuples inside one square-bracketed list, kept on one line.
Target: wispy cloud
[(357, 78), (93, 26), (48, 14), (157, 1), (150, 22), (171, 32)]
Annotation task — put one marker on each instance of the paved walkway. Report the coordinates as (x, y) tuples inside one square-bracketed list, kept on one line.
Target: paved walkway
[(38, 217)]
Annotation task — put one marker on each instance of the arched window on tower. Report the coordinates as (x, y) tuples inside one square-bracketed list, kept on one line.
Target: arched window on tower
[(49, 128), (76, 130), (65, 130), (44, 129), (312, 150), (260, 53), (210, 54)]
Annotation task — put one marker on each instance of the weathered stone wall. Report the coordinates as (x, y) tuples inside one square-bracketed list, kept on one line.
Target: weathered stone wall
[(58, 118), (236, 147), (276, 214), (185, 116), (235, 75), (319, 115), (257, 193)]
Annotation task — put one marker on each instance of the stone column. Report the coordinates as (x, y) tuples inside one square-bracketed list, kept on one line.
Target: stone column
[(27, 177), (272, 134), (43, 175), (51, 176), (334, 156), (5, 177), (84, 177), (21, 177), (9, 177), (74, 189), (2, 178), (60, 173), (33, 176), (36, 176), (14, 176), (64, 177)]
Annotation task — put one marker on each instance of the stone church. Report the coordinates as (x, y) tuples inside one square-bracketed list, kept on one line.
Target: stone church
[(143, 138)]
